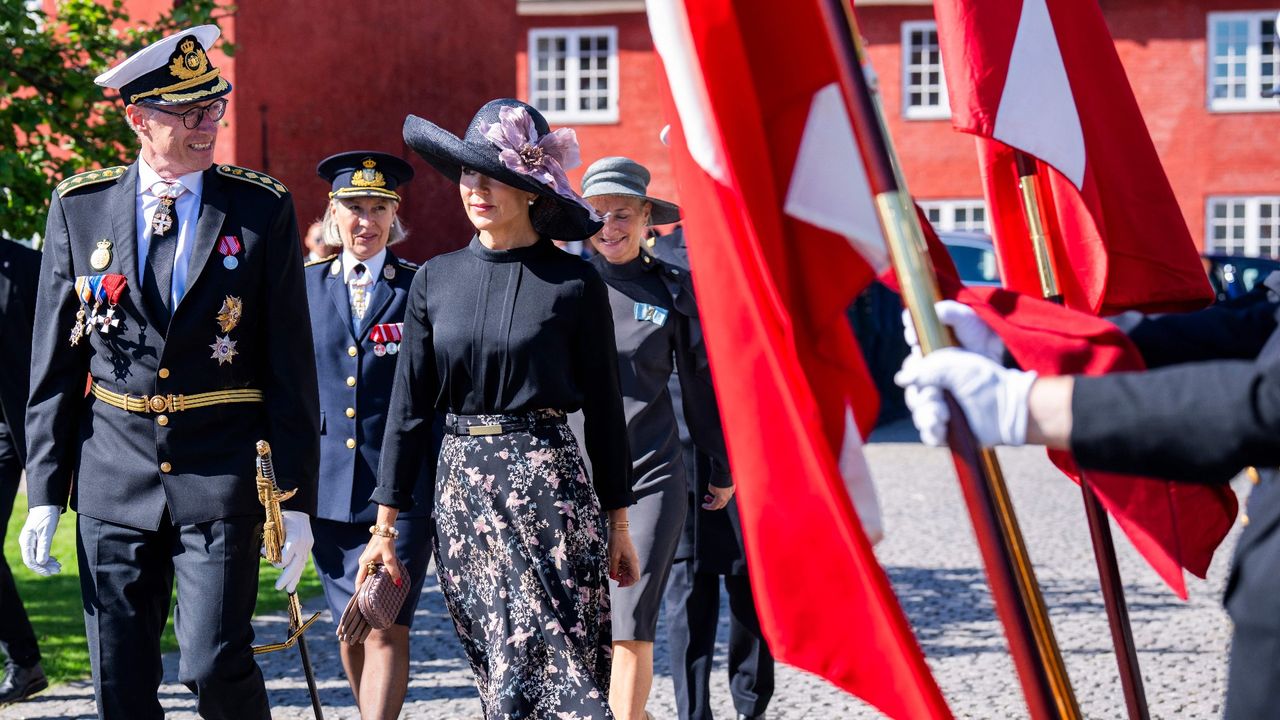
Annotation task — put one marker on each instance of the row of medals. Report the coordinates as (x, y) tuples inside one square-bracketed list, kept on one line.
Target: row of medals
[(86, 323)]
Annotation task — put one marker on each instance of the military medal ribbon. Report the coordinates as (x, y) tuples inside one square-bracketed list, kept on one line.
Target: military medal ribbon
[(230, 246)]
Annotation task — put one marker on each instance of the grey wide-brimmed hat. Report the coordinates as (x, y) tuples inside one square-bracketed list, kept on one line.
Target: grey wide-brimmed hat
[(624, 176), (512, 143)]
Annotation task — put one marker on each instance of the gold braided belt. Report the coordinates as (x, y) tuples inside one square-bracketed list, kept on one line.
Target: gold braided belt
[(175, 403)]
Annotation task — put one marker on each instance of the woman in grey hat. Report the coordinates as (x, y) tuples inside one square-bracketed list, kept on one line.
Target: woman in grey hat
[(656, 326), (503, 338)]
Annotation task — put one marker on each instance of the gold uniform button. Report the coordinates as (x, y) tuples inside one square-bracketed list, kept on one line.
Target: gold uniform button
[(351, 382), (351, 351), (162, 420), (164, 373), (351, 443), (165, 467), (351, 412)]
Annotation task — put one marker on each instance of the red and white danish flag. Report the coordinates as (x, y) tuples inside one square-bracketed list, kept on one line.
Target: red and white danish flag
[(783, 235), (1043, 77)]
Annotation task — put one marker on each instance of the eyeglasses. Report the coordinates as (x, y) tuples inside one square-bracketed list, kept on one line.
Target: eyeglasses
[(192, 118)]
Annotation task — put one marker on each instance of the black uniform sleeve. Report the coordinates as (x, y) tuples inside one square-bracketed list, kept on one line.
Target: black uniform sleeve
[(1199, 422), (59, 378), (595, 362), (1235, 330), (293, 400), (409, 435), (698, 398)]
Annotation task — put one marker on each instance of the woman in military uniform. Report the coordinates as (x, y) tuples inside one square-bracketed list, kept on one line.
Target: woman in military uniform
[(357, 299), (656, 326)]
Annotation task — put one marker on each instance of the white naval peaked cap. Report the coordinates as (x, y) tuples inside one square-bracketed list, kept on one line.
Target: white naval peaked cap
[(169, 71)]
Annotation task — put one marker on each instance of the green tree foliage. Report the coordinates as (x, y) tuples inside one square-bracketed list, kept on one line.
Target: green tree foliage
[(54, 122)]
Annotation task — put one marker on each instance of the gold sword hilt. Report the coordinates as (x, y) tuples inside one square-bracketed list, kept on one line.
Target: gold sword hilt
[(270, 495)]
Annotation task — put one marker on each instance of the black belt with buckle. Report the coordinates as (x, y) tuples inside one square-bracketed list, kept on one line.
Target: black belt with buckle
[(482, 425)]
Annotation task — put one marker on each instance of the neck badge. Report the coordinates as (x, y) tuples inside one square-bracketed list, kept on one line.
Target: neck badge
[(230, 246), (386, 338), (96, 289), (389, 271), (101, 257), (162, 220)]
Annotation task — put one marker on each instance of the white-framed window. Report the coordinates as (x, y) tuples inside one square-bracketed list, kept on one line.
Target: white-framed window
[(1242, 61), (924, 90), (956, 214), (573, 74), (1243, 225)]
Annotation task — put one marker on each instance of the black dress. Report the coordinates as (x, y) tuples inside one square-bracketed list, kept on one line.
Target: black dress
[(516, 336), (656, 325)]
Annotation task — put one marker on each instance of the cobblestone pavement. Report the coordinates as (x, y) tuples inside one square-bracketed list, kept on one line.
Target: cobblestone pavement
[(933, 562)]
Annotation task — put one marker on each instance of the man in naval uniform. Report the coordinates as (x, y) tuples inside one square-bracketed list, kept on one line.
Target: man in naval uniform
[(174, 286)]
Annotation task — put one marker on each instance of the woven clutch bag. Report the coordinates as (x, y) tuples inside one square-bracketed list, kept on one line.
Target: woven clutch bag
[(380, 599)]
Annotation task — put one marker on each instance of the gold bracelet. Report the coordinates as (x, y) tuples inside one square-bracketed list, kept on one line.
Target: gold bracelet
[(619, 525), (386, 531)]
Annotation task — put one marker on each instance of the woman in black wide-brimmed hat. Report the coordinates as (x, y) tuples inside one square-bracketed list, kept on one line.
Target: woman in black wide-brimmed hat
[(505, 337)]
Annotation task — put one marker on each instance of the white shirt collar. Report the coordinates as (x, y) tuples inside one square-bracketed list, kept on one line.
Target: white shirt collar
[(373, 266), (147, 178)]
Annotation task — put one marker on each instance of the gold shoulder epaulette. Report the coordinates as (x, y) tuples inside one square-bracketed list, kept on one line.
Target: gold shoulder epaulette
[(90, 177), (321, 261), (254, 177)]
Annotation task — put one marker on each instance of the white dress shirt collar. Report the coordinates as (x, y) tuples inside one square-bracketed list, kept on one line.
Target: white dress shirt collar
[(373, 266), (147, 178)]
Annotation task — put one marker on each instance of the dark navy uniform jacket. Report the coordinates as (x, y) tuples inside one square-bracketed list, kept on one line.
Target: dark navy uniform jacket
[(19, 270), (198, 464), (355, 388)]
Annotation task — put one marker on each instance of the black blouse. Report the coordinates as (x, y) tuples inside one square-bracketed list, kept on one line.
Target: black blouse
[(501, 332)]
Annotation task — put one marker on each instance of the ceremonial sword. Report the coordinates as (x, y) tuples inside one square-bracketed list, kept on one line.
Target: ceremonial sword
[(273, 537)]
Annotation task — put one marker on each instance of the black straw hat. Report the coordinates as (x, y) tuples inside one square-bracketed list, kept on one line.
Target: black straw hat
[(365, 173), (511, 142)]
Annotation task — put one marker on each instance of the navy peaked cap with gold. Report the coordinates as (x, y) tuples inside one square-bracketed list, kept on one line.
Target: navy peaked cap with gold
[(364, 173), (172, 71)]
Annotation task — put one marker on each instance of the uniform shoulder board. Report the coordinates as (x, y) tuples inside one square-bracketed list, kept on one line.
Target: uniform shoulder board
[(321, 261), (407, 265), (90, 177), (253, 177)]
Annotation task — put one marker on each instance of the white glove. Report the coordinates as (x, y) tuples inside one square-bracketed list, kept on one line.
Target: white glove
[(994, 398), (37, 537), (971, 332), (297, 546)]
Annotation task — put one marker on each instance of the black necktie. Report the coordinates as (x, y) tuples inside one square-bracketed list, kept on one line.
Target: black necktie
[(157, 285)]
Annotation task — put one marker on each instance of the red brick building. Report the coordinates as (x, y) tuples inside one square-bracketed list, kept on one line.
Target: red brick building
[(321, 76)]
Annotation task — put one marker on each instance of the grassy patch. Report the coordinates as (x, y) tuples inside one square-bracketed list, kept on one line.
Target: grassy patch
[(53, 603)]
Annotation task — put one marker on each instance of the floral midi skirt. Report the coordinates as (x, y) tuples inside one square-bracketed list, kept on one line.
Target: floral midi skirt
[(523, 563)]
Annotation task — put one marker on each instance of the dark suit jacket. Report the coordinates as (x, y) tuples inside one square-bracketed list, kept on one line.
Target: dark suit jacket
[(357, 413), (19, 269), (711, 539), (1201, 422), (108, 461)]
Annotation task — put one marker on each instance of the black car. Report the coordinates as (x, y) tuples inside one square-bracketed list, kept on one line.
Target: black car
[(1235, 275)]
